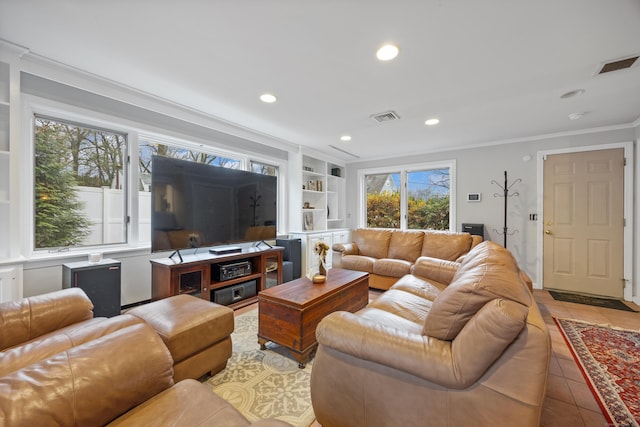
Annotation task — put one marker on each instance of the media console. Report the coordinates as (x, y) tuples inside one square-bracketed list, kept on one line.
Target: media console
[(232, 279)]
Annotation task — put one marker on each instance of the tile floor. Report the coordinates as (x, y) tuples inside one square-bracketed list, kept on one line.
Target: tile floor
[(569, 400)]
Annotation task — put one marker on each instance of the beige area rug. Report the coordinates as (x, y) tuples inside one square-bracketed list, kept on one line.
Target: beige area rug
[(264, 384)]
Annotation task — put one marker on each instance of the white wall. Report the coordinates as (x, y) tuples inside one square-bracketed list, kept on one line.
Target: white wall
[(46, 276), (477, 167)]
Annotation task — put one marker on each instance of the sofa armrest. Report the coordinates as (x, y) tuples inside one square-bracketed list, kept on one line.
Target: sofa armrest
[(90, 384), (29, 318), (346, 248), (340, 249), (440, 270), (453, 364)]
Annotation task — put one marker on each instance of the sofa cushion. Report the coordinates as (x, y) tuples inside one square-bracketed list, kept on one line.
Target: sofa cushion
[(445, 244), (488, 272), (391, 267), (406, 245), (372, 242), (427, 289), (182, 405), (403, 304), (484, 339)]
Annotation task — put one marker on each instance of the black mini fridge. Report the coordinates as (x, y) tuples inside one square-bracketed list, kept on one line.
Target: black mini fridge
[(99, 280)]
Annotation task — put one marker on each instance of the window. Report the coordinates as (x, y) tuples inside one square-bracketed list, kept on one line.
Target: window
[(80, 185), (411, 198), (428, 199), (263, 168), (383, 200)]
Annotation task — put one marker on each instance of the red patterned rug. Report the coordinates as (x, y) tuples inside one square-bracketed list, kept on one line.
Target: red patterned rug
[(610, 362)]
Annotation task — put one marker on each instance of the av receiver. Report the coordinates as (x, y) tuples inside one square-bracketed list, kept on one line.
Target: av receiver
[(228, 271)]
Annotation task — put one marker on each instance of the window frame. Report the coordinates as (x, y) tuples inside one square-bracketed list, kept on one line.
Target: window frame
[(125, 186), (32, 105), (403, 170)]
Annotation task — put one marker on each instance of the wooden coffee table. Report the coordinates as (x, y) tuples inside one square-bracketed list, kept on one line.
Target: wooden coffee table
[(289, 313)]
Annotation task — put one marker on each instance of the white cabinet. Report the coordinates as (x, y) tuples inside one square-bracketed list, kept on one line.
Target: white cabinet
[(309, 240)]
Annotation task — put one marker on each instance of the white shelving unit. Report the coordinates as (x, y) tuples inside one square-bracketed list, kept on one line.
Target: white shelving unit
[(323, 209), (323, 194)]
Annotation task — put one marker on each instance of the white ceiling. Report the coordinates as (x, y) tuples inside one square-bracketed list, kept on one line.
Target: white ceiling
[(490, 70)]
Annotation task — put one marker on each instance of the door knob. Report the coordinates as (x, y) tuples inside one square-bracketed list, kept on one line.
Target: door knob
[(547, 232)]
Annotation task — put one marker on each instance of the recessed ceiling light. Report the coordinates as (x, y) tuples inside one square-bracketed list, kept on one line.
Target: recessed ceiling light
[(572, 93), (432, 122), (387, 52), (345, 138), (268, 98)]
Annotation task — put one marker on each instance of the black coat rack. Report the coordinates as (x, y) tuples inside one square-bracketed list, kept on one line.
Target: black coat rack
[(505, 193)]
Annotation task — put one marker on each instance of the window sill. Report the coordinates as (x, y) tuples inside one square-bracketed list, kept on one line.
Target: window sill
[(47, 259)]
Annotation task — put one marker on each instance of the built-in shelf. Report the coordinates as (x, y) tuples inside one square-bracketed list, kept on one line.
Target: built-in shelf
[(324, 192)]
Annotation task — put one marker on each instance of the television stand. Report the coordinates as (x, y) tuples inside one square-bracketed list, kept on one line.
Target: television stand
[(196, 275), (225, 250)]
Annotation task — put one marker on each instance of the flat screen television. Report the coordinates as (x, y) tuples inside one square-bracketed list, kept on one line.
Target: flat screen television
[(196, 205)]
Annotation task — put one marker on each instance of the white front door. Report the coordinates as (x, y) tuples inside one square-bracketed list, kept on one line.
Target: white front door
[(583, 222)]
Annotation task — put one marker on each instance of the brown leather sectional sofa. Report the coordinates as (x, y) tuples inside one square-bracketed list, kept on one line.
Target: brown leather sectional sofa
[(451, 344), (60, 366), (389, 254)]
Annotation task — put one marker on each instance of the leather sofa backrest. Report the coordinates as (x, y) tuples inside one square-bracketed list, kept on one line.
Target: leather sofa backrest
[(28, 318), (406, 245), (488, 272), (47, 345), (91, 384), (440, 270), (372, 242), (447, 245)]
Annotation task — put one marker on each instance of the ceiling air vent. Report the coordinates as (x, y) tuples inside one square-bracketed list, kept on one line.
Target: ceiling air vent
[(618, 65), (385, 117)]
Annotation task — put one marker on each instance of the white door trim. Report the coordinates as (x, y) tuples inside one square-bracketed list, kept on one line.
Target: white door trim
[(628, 208)]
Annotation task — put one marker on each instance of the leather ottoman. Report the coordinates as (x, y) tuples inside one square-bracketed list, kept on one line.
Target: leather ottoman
[(196, 332)]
